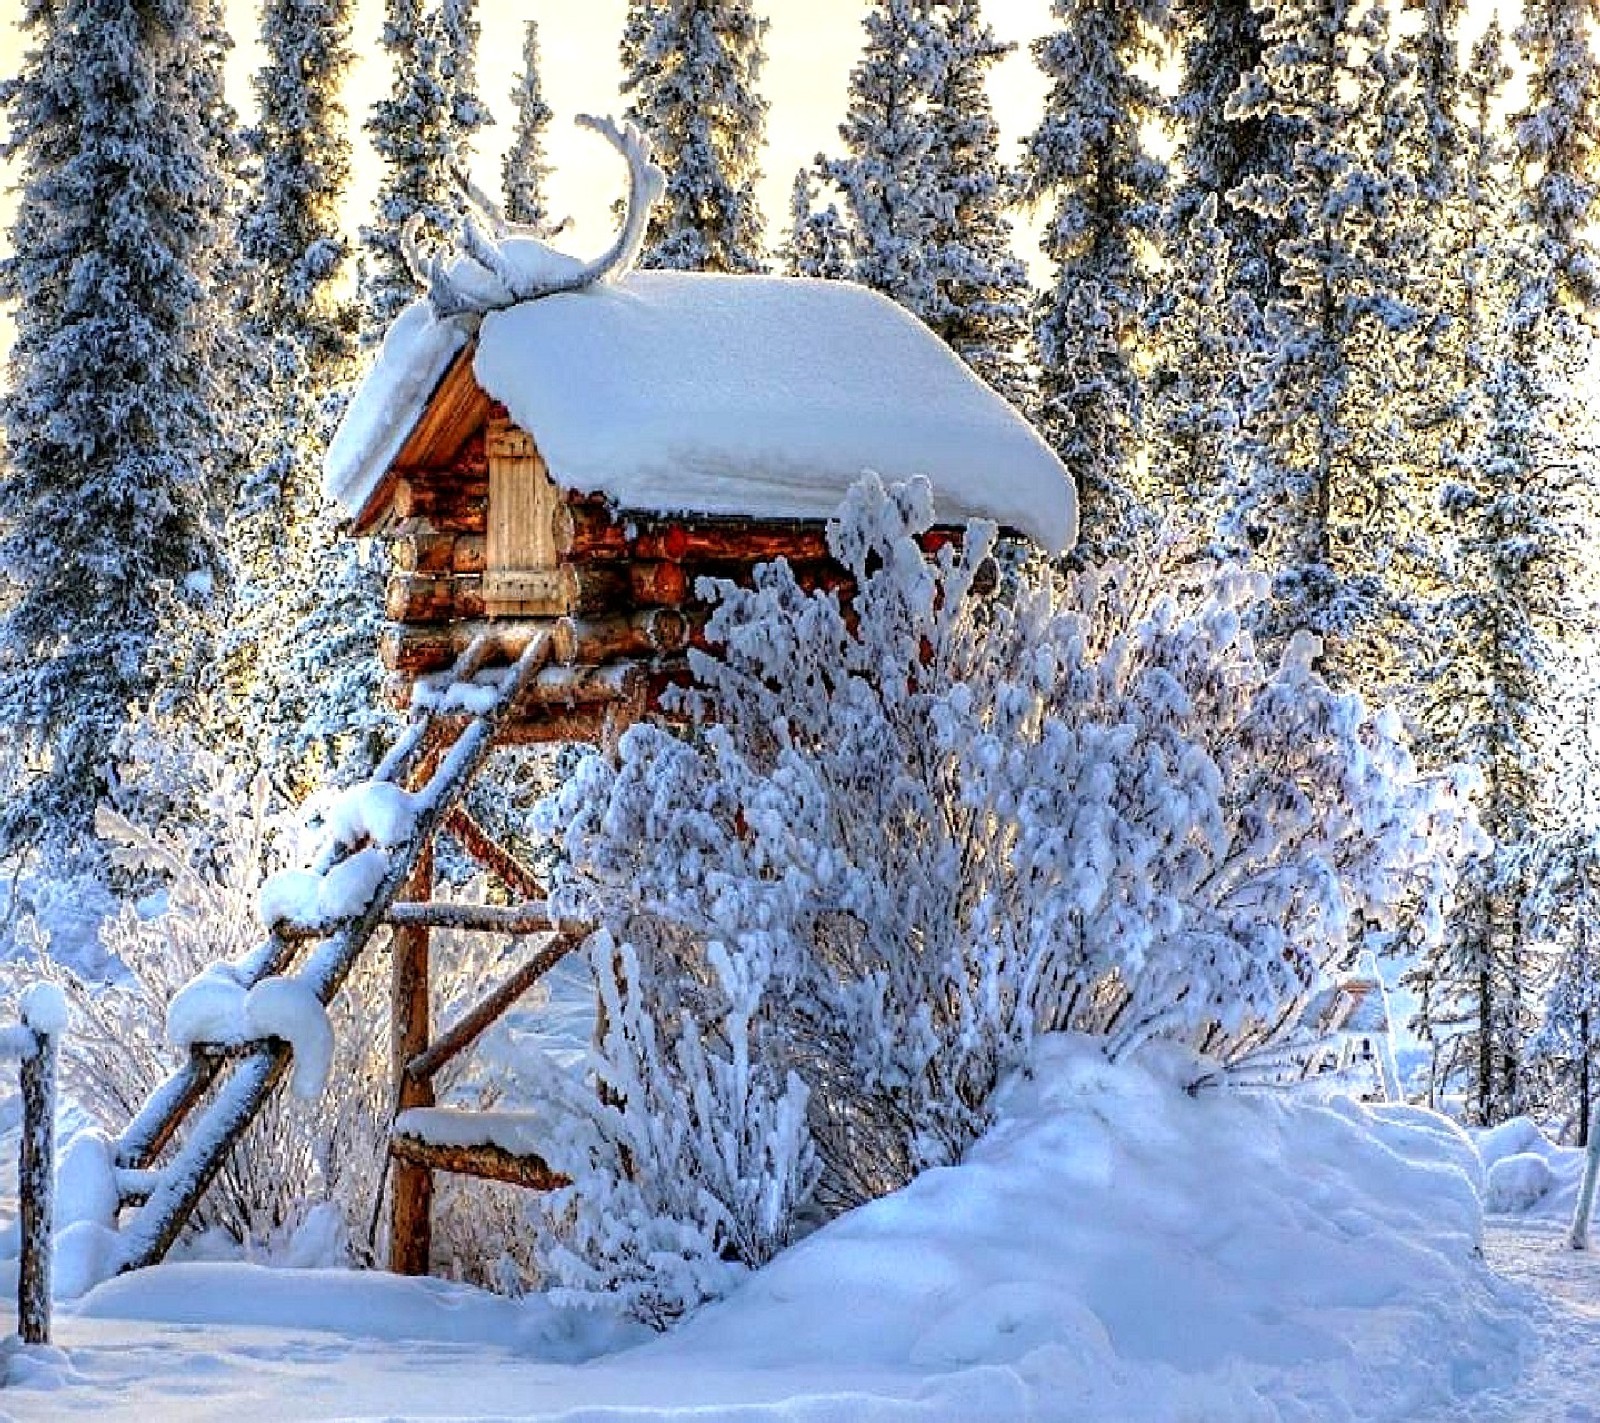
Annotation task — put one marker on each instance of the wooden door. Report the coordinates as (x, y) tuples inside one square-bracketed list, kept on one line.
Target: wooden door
[(520, 572)]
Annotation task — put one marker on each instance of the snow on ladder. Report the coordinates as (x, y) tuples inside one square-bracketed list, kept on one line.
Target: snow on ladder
[(354, 884)]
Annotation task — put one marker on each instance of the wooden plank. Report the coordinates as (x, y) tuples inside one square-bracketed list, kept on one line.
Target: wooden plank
[(492, 1163), (492, 855), (455, 411), (520, 550), (530, 917)]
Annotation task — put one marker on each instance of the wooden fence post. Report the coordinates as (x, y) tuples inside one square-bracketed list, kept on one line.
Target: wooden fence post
[(43, 1014)]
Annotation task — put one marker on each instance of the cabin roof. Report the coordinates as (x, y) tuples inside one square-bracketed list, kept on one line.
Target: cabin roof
[(699, 393)]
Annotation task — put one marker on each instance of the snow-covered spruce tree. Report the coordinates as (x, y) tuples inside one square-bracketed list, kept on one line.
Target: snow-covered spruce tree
[(458, 67), (1220, 144), (1522, 511), (923, 190), (818, 244), (980, 288), (1088, 160), (526, 168), (103, 494), (414, 134), (1315, 450), (883, 176), (293, 685), (902, 841), (692, 82)]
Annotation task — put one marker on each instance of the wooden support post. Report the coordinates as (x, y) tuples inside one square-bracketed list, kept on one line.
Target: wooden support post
[(36, 1187), (411, 1205)]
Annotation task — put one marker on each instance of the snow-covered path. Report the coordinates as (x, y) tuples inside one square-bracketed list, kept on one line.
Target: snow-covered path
[(1562, 1383)]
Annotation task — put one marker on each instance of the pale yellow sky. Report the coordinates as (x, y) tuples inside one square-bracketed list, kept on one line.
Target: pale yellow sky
[(811, 46)]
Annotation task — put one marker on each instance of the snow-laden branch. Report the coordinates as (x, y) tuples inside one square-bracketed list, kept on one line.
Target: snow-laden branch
[(486, 274)]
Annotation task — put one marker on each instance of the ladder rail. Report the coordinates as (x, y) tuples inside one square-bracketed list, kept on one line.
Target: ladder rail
[(251, 1078)]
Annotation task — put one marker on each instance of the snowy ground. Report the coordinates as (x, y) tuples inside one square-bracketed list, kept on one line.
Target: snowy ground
[(1114, 1249)]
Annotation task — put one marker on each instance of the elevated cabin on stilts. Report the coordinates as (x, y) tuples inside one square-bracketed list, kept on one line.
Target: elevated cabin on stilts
[(556, 452)]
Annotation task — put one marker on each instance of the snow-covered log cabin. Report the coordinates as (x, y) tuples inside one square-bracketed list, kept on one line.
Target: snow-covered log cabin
[(549, 444)]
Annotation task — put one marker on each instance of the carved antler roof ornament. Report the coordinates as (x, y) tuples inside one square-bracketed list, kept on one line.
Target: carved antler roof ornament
[(483, 276)]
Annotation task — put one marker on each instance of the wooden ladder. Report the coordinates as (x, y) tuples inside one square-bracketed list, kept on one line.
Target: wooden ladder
[(217, 1093)]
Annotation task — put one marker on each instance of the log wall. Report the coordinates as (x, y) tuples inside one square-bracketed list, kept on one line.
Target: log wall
[(622, 588)]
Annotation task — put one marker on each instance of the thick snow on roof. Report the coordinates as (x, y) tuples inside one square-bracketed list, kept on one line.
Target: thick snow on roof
[(691, 392)]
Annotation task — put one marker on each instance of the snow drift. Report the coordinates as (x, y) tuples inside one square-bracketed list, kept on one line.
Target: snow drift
[(1113, 1248)]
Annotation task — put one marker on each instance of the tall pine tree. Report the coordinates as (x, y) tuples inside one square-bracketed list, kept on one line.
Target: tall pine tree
[(414, 134), (980, 288), (526, 168), (884, 175), (1087, 160), (924, 194), (103, 493), (692, 81)]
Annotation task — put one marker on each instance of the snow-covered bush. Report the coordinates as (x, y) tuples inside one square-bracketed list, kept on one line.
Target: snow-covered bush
[(906, 836)]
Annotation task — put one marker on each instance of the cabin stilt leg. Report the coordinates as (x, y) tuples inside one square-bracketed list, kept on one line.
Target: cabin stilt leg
[(410, 1220)]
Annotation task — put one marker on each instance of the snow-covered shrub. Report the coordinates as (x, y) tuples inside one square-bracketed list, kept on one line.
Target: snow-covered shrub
[(926, 827), (693, 1160)]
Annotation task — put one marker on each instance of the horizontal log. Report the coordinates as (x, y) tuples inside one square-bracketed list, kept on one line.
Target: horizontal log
[(659, 584), (596, 725), (492, 1163), (572, 686), (437, 553), (439, 508), (733, 540), (596, 640), (423, 598), (531, 917)]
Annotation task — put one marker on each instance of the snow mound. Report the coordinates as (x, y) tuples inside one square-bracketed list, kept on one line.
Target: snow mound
[(1517, 1182), (1518, 1138), (209, 1008), (86, 1181), (1150, 1254), (308, 900), (377, 811), (44, 1009), (288, 1009), (216, 1007)]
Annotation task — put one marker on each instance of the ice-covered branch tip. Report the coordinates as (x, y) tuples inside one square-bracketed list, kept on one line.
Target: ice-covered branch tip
[(505, 265)]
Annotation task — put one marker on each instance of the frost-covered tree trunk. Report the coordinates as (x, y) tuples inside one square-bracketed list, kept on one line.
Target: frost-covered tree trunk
[(692, 80), (526, 168), (1088, 161), (107, 416)]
